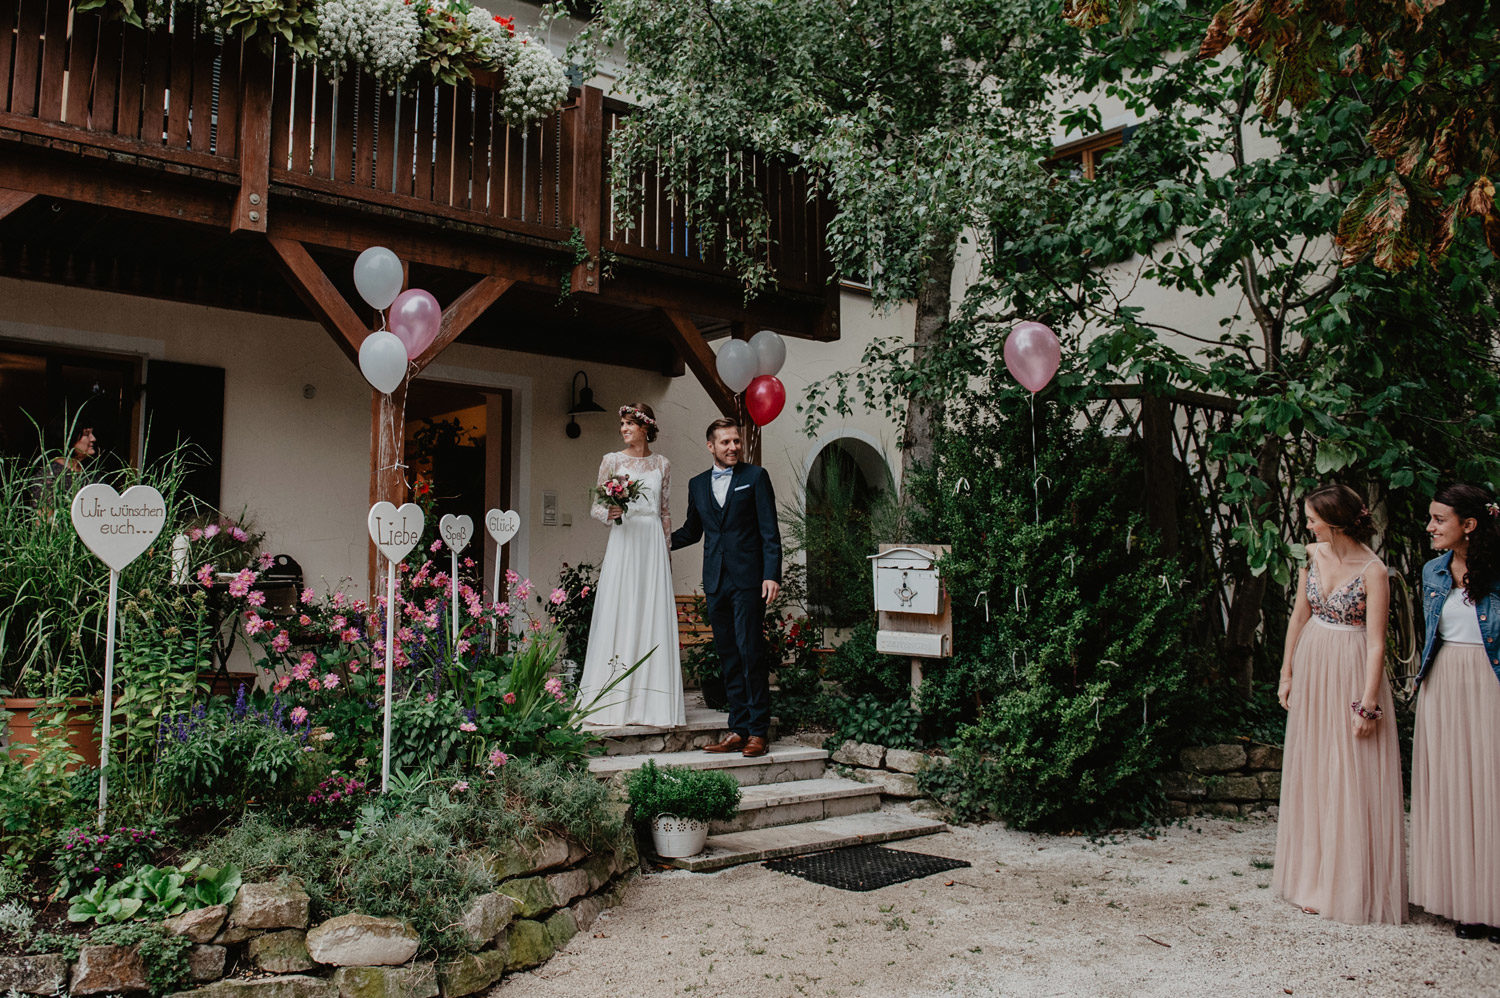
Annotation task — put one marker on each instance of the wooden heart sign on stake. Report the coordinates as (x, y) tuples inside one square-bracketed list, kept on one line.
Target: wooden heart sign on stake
[(456, 531), (503, 524), (395, 531), (118, 528)]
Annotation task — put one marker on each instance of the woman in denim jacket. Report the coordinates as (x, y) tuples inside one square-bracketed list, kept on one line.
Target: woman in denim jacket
[(1455, 772)]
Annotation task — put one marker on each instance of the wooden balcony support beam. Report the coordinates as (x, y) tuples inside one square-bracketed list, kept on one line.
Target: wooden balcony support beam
[(321, 297), (252, 202), (584, 193), (11, 200), (460, 315), (699, 357)]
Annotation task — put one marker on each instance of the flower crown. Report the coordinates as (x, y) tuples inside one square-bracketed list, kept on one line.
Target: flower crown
[(632, 413), (1493, 507)]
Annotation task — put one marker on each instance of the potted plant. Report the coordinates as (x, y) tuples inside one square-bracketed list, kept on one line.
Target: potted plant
[(678, 803)]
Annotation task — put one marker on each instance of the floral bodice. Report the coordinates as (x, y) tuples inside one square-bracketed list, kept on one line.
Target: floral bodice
[(639, 468), (1344, 605)]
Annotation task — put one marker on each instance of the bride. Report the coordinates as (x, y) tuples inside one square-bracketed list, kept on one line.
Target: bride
[(635, 613)]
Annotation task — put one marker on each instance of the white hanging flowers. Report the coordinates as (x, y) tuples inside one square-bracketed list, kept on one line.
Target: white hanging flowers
[(378, 35), (534, 82)]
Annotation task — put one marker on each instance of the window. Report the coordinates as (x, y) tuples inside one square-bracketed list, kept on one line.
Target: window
[(1084, 156), (44, 387)]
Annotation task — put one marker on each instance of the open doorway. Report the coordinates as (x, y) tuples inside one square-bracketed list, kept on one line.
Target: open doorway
[(458, 451), (845, 483)]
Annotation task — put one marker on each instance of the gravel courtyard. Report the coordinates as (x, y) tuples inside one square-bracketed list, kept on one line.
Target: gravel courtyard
[(1186, 912)]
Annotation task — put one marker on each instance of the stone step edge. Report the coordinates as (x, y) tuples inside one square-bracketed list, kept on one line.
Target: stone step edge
[(606, 766), (710, 859), (767, 795)]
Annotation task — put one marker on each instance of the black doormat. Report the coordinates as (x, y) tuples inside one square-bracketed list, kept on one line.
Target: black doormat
[(863, 868)]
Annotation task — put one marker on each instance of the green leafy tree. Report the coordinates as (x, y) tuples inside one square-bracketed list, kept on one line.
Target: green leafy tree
[(915, 117)]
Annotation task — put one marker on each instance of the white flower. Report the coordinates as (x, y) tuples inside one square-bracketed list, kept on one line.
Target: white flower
[(379, 36), (535, 83)]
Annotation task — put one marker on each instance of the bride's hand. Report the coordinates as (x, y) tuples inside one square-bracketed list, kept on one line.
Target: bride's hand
[(615, 512)]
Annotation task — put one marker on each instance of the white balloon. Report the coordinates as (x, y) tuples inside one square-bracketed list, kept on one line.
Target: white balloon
[(382, 360), (378, 277), (737, 365), (770, 351)]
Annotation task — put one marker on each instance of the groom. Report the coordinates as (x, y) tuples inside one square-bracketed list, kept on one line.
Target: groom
[(733, 508)]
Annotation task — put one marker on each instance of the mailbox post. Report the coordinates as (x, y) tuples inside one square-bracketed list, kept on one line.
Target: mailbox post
[(915, 614)]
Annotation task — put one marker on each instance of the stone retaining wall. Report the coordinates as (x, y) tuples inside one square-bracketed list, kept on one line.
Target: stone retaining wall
[(895, 770), (264, 947), (1225, 779)]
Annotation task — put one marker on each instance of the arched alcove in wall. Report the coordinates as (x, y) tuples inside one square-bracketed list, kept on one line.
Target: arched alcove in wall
[(847, 479)]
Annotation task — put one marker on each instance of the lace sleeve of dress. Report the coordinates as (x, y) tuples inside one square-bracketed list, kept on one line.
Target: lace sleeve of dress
[(666, 495), (606, 468)]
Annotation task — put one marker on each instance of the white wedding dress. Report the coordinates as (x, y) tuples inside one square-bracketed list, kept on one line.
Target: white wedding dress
[(635, 613)]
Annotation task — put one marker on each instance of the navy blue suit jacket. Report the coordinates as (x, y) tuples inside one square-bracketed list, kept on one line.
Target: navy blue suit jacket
[(741, 539)]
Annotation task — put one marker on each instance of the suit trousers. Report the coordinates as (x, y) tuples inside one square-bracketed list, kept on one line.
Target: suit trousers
[(736, 616)]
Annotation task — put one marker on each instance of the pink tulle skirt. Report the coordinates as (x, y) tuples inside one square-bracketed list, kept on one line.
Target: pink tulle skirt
[(1455, 788), (1339, 840)]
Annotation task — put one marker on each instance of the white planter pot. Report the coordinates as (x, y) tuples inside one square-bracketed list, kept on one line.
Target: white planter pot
[(676, 837)]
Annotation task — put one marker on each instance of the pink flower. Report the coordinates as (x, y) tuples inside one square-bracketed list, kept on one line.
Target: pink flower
[(509, 698), (498, 758), (241, 583), (460, 786), (464, 646), (254, 625), (535, 625), (349, 636), (281, 684), (584, 591), (305, 620), (281, 642), (524, 589), (302, 671), (308, 596), (339, 599), (206, 576), (468, 563), (196, 534), (353, 668), (511, 577), (266, 560), (435, 545), (503, 609), (339, 623), (557, 597), (299, 715), (468, 726), (255, 598), (314, 685), (331, 681), (212, 530), (554, 686), (238, 534)]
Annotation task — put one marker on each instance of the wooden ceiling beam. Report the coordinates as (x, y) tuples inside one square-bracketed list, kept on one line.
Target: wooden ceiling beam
[(699, 357), (11, 200), (458, 316), (321, 297)]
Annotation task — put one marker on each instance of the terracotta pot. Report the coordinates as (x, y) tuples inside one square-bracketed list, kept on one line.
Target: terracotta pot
[(81, 725)]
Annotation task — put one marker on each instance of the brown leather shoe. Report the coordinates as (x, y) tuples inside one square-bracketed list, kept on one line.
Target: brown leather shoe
[(754, 746), (731, 742)]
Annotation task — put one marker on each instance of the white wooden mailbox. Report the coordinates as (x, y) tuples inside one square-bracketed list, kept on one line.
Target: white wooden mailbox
[(915, 615), (907, 581)]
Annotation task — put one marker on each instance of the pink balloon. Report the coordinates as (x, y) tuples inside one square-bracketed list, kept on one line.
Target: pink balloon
[(415, 319), (764, 399), (1032, 354)]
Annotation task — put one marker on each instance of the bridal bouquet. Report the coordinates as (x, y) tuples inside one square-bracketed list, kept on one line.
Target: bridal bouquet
[(618, 490)]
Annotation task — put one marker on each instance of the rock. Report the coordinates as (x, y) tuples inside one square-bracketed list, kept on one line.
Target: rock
[(924, 807), (599, 867), (531, 893), (283, 952), (356, 940), (1178, 809), (859, 754), (1183, 786), (107, 970), (1213, 758), (903, 761), (1222, 809), (627, 856), (234, 934), (560, 928), (576, 853), (1234, 788), (902, 785), (1270, 785), (290, 986), (1262, 756), (523, 858), (200, 925), (34, 975), (472, 972), (486, 918), (527, 944), (206, 963), (417, 981), (270, 906), (567, 886), (586, 912)]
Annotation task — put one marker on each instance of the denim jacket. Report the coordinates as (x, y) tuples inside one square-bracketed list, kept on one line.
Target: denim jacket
[(1437, 582)]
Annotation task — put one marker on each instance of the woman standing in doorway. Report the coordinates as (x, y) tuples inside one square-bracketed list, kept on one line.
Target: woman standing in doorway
[(635, 612), (1339, 848), (1455, 770)]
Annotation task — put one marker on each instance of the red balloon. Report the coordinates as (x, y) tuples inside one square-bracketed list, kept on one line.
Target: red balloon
[(764, 399)]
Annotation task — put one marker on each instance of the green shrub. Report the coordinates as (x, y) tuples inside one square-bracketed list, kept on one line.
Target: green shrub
[(226, 757), (38, 795), (164, 954), (693, 794), (1064, 696), (869, 719), (859, 669), (83, 854)]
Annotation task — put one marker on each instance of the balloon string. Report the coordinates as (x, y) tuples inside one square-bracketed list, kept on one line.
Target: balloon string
[(1036, 484)]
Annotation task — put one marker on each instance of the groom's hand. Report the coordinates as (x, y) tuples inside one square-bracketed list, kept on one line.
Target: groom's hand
[(769, 589)]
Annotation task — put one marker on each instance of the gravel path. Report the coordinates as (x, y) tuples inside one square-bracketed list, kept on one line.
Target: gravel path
[(1187, 912)]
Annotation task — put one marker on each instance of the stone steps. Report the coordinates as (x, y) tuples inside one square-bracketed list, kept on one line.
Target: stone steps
[(773, 804), (703, 727), (734, 848), (782, 763)]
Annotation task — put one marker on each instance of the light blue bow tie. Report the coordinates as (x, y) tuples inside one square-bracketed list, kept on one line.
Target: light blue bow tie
[(719, 473)]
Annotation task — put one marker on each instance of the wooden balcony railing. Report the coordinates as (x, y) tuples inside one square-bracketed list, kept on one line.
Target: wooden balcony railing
[(181, 96)]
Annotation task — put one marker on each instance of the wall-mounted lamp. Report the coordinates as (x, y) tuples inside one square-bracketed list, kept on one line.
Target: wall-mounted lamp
[(580, 404)]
